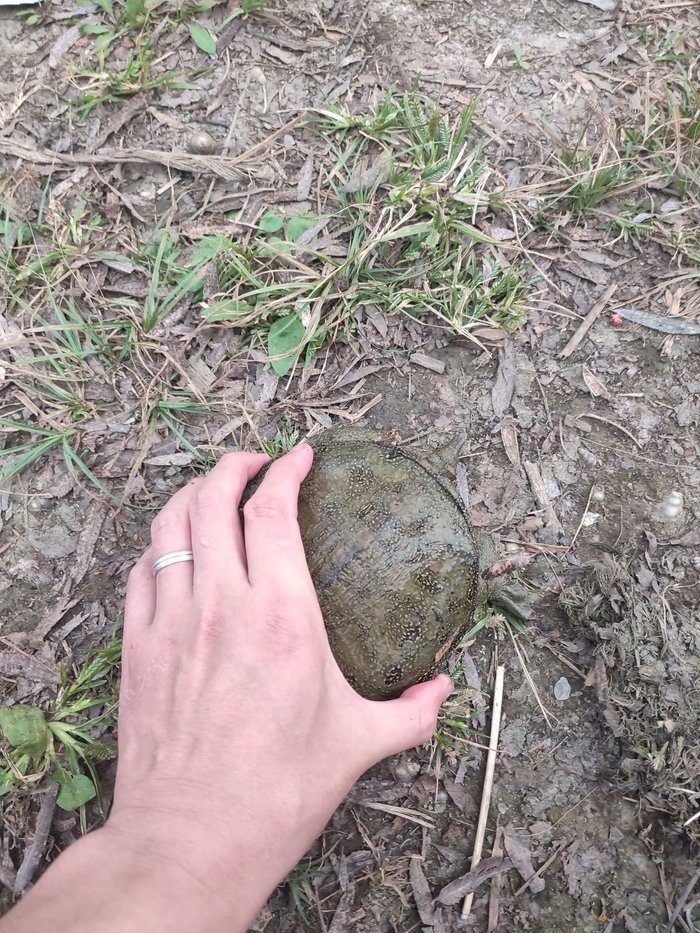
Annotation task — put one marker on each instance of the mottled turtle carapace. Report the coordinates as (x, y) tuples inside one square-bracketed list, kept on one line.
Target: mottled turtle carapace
[(392, 556)]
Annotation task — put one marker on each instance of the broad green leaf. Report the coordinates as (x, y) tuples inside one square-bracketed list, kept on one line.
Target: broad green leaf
[(25, 729), (209, 247), (271, 222), (94, 29), (283, 338), (5, 782), (135, 11), (76, 789), (298, 225), (103, 42), (202, 38), (106, 5)]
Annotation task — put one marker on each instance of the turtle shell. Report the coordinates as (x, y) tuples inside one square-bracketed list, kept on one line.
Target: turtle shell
[(393, 558)]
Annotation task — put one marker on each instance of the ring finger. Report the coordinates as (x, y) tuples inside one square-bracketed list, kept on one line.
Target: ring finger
[(171, 532)]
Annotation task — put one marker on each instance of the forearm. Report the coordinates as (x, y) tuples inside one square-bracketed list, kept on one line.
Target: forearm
[(102, 885)]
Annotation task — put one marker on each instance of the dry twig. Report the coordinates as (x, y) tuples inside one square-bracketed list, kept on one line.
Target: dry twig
[(488, 780), (35, 850), (588, 321)]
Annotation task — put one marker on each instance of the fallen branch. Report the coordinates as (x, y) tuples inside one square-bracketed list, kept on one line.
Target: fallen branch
[(488, 781), (35, 850)]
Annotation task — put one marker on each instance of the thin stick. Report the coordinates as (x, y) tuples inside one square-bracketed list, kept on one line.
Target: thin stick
[(541, 870), (583, 516), (588, 321), (681, 901), (35, 850), (488, 780)]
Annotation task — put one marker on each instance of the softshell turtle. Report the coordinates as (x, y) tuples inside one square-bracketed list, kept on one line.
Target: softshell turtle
[(392, 555)]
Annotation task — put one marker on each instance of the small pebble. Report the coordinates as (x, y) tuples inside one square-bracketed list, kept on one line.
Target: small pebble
[(562, 689), (670, 508), (598, 493), (587, 458), (405, 771), (201, 143)]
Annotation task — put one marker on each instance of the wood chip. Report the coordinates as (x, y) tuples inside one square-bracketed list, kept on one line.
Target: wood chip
[(594, 385), (168, 460), (54, 615), (540, 494), (428, 362), (119, 119), (66, 41), (200, 376), (282, 55)]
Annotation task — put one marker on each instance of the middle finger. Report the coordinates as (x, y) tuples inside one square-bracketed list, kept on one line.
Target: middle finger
[(217, 537)]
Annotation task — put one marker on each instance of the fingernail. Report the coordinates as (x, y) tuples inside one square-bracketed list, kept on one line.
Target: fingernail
[(448, 684)]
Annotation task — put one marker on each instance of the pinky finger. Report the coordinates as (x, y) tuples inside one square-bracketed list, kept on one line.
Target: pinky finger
[(140, 602)]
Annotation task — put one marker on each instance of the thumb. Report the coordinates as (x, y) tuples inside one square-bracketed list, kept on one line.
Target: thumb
[(410, 720)]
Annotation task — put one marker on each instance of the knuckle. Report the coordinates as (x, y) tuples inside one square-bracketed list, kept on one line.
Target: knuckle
[(166, 520), (210, 496), (266, 507)]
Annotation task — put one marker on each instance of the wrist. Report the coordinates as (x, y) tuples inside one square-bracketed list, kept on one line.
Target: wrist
[(129, 881)]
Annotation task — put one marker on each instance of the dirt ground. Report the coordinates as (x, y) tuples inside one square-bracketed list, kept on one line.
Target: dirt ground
[(569, 455)]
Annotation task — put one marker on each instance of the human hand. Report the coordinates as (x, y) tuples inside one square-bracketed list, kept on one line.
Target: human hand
[(238, 732)]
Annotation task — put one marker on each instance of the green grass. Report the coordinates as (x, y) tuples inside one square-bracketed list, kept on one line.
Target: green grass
[(401, 224), (62, 743)]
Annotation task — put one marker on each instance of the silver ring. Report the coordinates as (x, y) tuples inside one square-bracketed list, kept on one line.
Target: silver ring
[(174, 557)]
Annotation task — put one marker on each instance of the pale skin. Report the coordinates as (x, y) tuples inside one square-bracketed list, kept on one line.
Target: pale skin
[(238, 734)]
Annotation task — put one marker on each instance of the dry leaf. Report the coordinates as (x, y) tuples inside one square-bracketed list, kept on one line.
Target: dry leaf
[(519, 853), (504, 386), (594, 385), (509, 437), (453, 892), (421, 892), (304, 179)]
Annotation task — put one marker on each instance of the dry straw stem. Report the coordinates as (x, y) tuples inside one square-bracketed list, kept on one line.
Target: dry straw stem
[(231, 169), (488, 780)]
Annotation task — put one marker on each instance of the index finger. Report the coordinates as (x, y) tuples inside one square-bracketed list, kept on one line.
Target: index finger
[(217, 538), (274, 549)]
